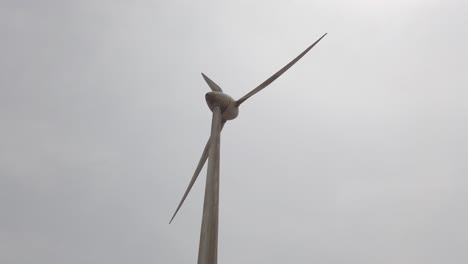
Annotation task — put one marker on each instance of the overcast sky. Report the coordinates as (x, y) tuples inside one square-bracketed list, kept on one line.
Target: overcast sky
[(358, 154)]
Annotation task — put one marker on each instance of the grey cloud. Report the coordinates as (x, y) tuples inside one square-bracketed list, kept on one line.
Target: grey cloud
[(360, 156)]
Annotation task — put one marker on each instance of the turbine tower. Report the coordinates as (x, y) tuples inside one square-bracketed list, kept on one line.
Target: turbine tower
[(224, 108)]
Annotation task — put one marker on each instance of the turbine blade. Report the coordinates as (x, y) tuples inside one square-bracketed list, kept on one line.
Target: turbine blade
[(277, 74), (214, 87), (200, 165)]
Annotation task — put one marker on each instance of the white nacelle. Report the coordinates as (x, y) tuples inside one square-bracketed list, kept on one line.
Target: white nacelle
[(228, 105)]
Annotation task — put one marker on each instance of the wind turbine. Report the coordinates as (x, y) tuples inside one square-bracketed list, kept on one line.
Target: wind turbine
[(224, 108)]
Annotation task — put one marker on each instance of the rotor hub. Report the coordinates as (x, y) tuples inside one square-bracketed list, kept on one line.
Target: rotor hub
[(227, 104)]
